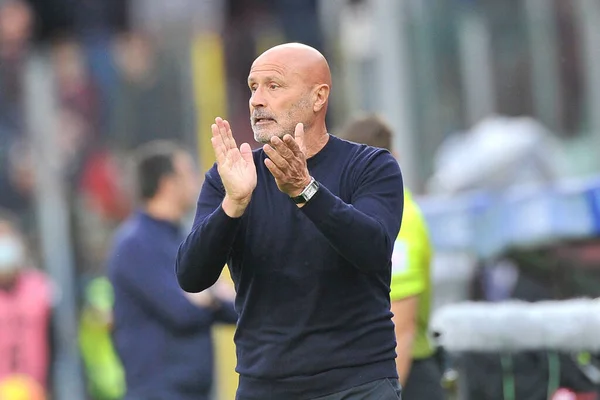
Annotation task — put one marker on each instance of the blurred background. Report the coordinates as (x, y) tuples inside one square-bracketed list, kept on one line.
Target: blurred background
[(494, 104)]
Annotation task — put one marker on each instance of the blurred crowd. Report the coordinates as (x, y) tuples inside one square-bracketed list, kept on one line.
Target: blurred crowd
[(122, 77), (125, 73)]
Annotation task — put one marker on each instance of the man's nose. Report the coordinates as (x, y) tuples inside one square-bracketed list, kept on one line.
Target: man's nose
[(257, 99)]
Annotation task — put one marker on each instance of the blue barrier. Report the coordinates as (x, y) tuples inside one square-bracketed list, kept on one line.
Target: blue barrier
[(487, 223)]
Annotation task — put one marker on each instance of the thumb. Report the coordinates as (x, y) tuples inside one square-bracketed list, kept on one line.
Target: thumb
[(246, 152), (299, 136)]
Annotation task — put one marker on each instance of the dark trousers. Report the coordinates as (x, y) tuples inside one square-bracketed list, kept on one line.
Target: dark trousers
[(424, 381), (383, 389)]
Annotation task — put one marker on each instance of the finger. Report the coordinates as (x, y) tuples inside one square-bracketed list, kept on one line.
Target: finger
[(299, 137), (216, 131), (246, 152), (216, 140), (222, 132), (282, 148), (225, 133), (229, 133), (275, 171), (292, 144), (218, 148), (275, 157)]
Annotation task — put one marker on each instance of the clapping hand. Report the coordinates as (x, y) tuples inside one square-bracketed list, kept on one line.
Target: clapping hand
[(287, 162), (236, 168)]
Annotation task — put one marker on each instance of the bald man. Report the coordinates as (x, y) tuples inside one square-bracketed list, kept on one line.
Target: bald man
[(306, 225)]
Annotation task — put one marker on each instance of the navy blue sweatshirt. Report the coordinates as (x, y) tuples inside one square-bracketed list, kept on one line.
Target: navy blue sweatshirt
[(313, 282), (163, 340)]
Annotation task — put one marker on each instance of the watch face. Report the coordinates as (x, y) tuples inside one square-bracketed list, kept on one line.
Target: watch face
[(307, 194), (310, 191)]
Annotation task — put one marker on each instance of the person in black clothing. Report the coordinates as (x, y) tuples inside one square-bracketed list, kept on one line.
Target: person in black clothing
[(306, 226)]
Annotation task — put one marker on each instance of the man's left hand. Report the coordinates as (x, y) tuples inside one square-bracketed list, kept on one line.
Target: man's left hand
[(287, 162)]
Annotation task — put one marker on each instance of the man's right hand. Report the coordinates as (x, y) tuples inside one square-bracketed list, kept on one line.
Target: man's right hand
[(236, 168)]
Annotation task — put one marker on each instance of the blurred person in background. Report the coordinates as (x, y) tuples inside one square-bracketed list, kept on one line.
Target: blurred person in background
[(162, 335), (95, 199), (418, 370), (16, 21), (25, 314), (104, 372), (149, 100), (76, 89), (20, 387), (95, 25)]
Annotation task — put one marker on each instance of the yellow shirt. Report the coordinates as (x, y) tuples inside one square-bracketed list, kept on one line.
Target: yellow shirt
[(411, 271)]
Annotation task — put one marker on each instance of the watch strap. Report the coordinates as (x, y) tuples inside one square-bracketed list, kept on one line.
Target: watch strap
[(308, 192)]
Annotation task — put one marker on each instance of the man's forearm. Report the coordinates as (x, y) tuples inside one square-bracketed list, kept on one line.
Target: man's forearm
[(234, 208), (359, 238), (203, 254), (405, 327), (404, 356)]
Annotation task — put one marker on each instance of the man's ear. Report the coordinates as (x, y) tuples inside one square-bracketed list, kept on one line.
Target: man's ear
[(322, 95), (165, 183)]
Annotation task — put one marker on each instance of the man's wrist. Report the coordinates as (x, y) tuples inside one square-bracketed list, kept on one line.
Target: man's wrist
[(307, 193), (234, 208), (298, 192)]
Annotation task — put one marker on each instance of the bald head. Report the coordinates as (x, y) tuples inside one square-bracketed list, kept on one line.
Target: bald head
[(290, 83), (300, 59)]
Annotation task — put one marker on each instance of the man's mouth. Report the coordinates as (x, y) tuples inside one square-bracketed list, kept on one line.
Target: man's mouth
[(262, 121)]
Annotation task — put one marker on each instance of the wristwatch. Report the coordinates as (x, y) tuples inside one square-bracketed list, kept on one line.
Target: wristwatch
[(308, 192)]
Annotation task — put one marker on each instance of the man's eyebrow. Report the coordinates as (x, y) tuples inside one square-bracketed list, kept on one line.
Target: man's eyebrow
[(267, 78)]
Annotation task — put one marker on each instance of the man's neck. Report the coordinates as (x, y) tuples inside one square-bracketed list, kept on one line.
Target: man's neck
[(315, 140), (163, 210)]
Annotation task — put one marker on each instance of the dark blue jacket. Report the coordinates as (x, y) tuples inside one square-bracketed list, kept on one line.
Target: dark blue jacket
[(163, 340)]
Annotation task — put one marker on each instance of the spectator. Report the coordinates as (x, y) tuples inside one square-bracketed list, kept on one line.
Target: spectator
[(25, 310), (162, 335), (104, 371), (149, 103), (15, 30)]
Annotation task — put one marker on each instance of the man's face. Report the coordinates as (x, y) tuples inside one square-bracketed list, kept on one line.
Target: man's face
[(279, 101), (185, 181), (15, 22)]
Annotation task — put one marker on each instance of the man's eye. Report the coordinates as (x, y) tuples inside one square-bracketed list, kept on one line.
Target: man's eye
[(273, 86)]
